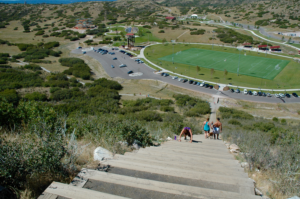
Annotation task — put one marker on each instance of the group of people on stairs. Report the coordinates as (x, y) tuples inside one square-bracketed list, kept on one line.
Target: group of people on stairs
[(208, 127)]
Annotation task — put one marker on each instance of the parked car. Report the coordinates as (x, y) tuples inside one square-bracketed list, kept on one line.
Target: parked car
[(122, 65), (191, 81), (198, 84), (276, 95), (202, 84), (162, 74), (231, 90), (112, 66), (288, 95), (137, 60), (295, 94), (206, 85), (245, 91), (210, 86), (259, 93), (269, 95), (129, 72), (79, 47), (264, 94), (282, 95), (255, 93), (174, 77), (141, 62), (184, 80), (250, 93), (237, 90), (195, 83), (112, 53), (166, 74), (180, 79), (83, 52), (114, 58)]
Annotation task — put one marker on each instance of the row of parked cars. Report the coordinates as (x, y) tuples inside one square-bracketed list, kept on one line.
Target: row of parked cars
[(126, 53), (259, 93), (202, 84)]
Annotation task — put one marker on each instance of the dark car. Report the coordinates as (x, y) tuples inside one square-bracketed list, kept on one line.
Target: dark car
[(206, 85), (166, 74), (295, 94), (195, 82), (287, 95), (191, 81), (211, 86), (259, 93), (114, 58), (250, 93), (162, 74), (184, 80), (231, 90), (129, 72), (264, 94)]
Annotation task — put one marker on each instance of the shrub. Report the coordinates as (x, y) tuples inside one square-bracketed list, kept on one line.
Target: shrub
[(167, 109), (53, 89), (234, 122), (161, 31), (33, 67), (275, 119), (10, 95), (283, 121), (40, 32), (233, 113), (36, 96)]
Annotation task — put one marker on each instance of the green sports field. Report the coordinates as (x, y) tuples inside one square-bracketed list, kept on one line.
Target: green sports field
[(261, 67)]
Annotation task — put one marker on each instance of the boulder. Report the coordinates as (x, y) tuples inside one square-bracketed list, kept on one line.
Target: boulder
[(136, 146), (233, 151), (102, 153), (245, 165), (258, 192), (169, 139), (234, 147)]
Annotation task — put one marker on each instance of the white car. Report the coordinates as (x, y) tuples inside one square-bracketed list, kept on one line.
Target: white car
[(281, 95), (245, 91), (179, 79), (276, 95), (202, 84), (254, 93), (174, 77)]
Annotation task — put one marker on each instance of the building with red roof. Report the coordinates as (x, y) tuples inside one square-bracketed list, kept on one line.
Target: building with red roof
[(247, 45), (171, 18), (275, 48), (263, 47)]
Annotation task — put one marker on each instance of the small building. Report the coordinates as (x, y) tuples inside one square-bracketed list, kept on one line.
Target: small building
[(171, 18), (275, 48), (247, 45), (263, 47), (194, 16)]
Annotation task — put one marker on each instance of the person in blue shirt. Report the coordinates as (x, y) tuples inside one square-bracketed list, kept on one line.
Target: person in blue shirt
[(187, 131), (206, 128)]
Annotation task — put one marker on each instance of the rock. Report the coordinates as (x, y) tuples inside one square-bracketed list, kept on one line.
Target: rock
[(258, 192), (102, 153), (244, 165), (135, 145), (169, 139), (235, 147), (253, 175), (233, 151), (156, 144), (228, 146)]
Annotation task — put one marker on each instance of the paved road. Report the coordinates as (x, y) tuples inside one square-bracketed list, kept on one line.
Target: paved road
[(148, 73)]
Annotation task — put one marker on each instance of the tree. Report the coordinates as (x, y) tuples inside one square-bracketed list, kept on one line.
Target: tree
[(198, 69), (282, 38), (164, 40), (225, 73), (212, 71)]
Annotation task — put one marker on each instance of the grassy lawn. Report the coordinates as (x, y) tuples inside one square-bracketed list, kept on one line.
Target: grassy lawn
[(287, 78)]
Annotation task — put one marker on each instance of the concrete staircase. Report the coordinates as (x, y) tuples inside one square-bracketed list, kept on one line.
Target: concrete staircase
[(202, 169)]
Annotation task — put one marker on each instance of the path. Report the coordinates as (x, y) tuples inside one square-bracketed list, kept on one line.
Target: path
[(179, 170), (182, 34)]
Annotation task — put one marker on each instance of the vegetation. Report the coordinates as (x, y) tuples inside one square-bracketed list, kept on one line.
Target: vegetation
[(77, 67), (267, 145)]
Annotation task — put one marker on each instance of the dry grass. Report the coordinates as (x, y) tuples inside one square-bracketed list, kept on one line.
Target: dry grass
[(23, 91)]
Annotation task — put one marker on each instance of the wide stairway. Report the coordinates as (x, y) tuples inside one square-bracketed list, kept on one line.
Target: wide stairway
[(181, 170)]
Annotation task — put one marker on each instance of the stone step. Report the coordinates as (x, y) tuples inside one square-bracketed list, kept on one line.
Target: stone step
[(153, 189), (217, 154), (69, 191), (48, 196), (189, 160), (193, 157), (215, 169), (186, 143), (245, 185)]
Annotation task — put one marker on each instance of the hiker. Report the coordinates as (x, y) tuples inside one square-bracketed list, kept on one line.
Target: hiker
[(206, 128), (217, 128), (187, 131)]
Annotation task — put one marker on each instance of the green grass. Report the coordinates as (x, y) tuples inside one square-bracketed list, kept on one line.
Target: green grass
[(261, 67), (286, 79), (147, 37)]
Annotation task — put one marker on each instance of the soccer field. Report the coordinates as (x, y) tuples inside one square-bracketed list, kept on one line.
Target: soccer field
[(261, 67)]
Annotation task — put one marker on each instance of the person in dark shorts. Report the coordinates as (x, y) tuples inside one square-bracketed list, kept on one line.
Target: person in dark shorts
[(187, 131)]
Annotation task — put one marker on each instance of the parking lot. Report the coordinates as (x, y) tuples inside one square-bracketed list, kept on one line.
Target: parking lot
[(107, 61)]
